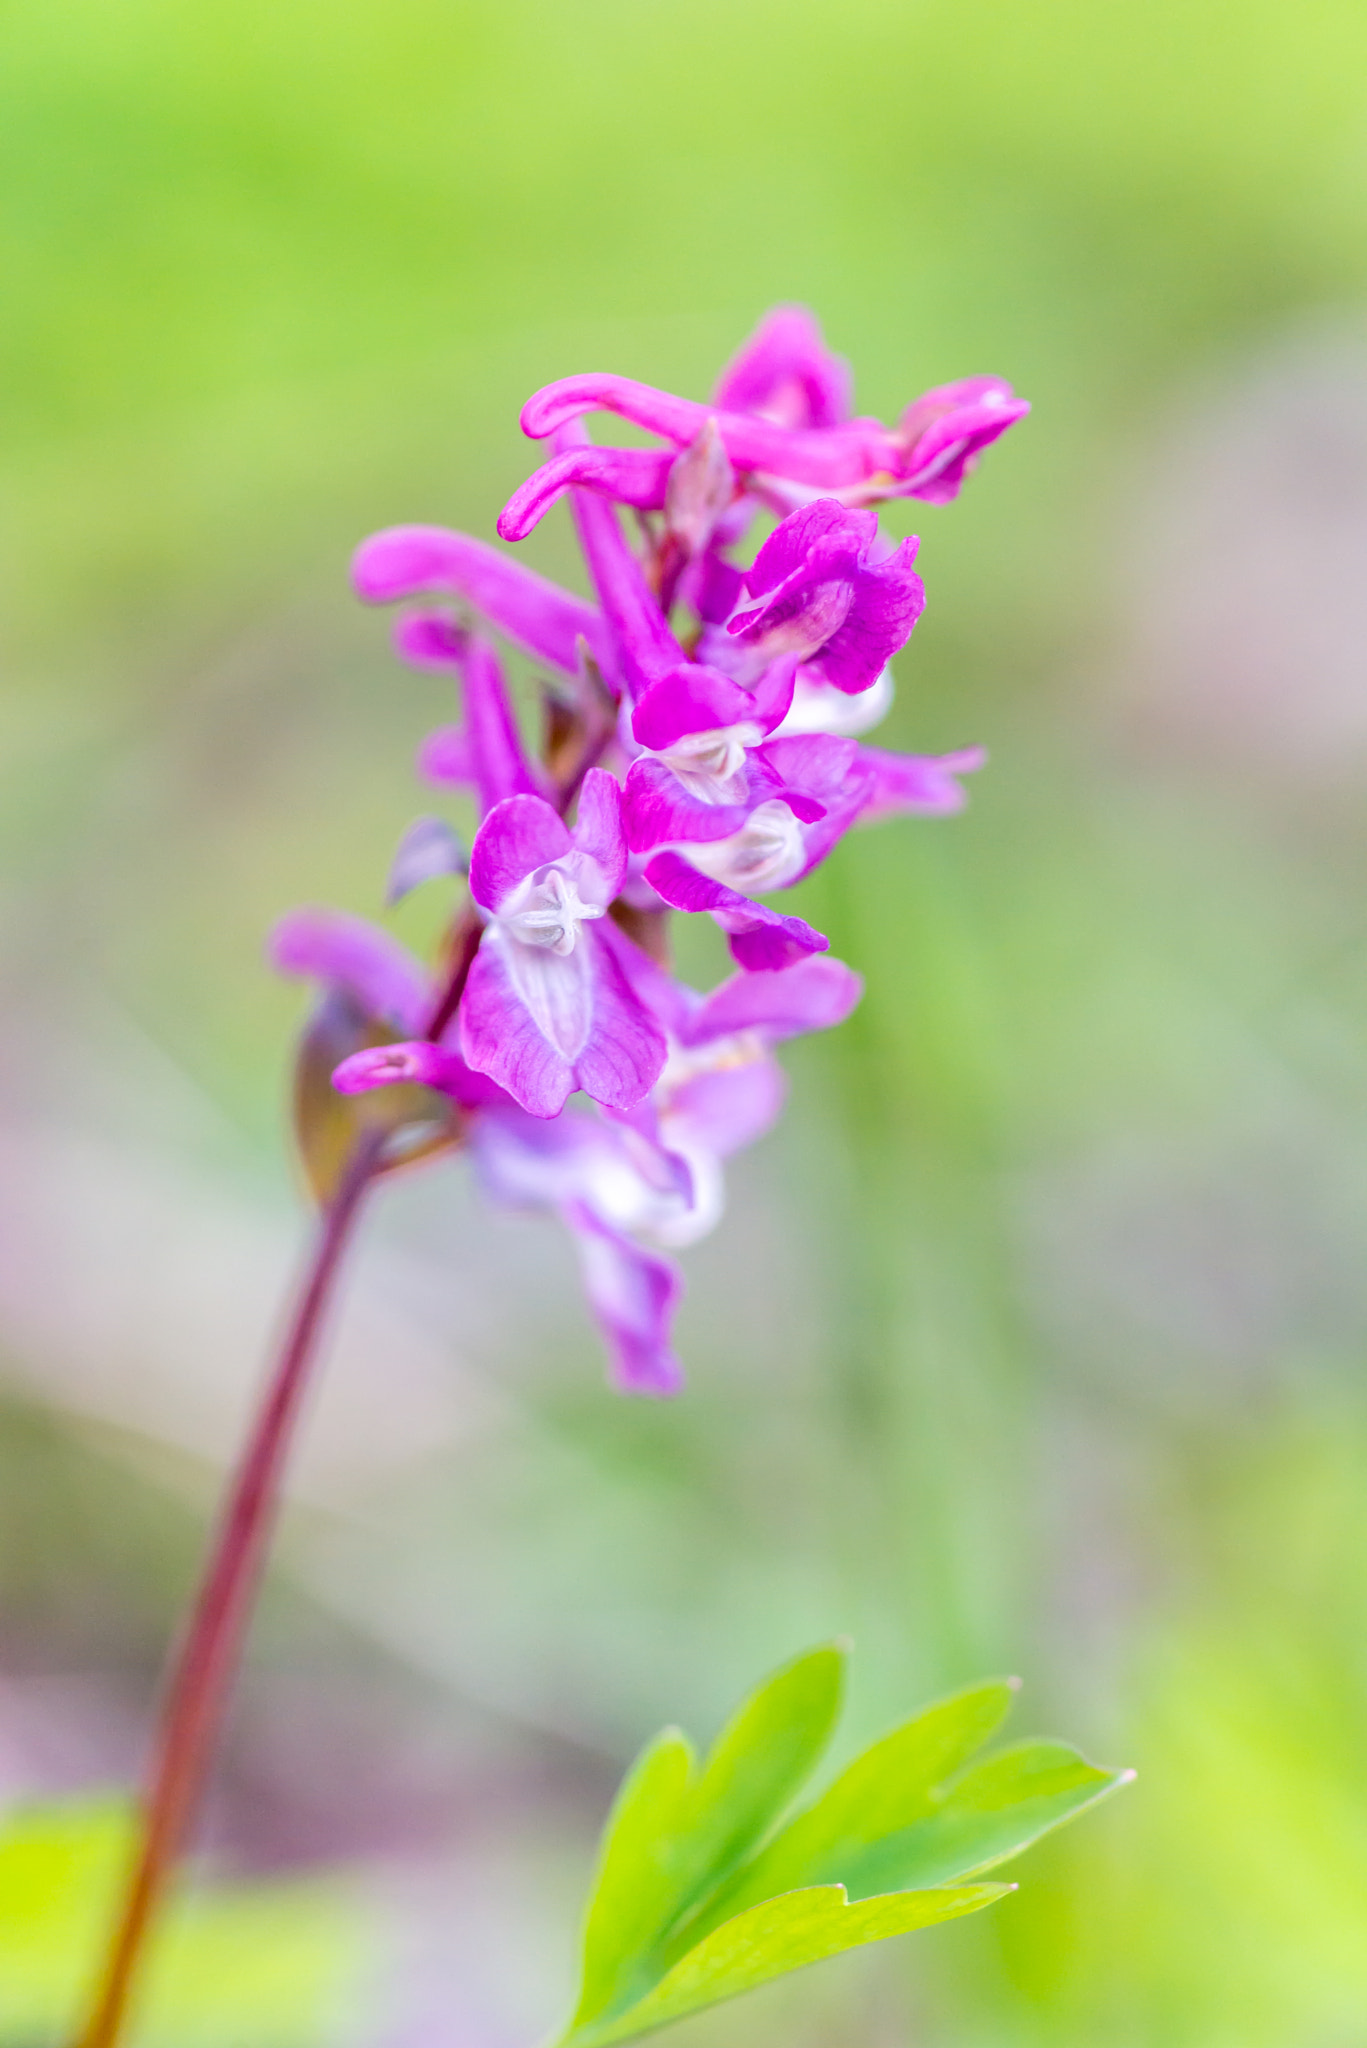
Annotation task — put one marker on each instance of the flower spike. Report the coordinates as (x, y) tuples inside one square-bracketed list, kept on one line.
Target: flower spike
[(703, 751)]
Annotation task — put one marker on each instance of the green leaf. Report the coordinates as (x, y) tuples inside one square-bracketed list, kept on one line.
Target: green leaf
[(636, 1880), (760, 1761), (703, 1892), (986, 1814), (677, 1831), (270, 1963), (881, 1794), (776, 1937)]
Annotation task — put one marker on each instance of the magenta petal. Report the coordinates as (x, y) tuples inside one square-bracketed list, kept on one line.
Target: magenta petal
[(828, 599), (569, 398), (690, 698), (786, 374), (428, 850), (634, 1294), (729, 1107), (811, 995), (519, 834), (431, 1066), (830, 459), (915, 783), (644, 646), (406, 560), (945, 431), (501, 768), (658, 811), (444, 758), (625, 1049), (630, 476), (598, 830), (430, 639), (347, 952), (500, 1037), (759, 937)]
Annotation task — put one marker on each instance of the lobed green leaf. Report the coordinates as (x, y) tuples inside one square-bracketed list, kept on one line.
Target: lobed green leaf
[(677, 1831), (778, 1936), (880, 1795), (704, 1892)]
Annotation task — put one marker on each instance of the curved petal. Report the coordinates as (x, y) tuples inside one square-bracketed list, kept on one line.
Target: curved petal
[(830, 458), (641, 639), (689, 698), (624, 1049), (348, 952), (599, 833), (785, 373), (729, 1108), (634, 1294), (520, 833), (659, 810), (945, 431), (431, 1066), (404, 561), (430, 639), (444, 758), (759, 937), (500, 765), (500, 1037), (629, 476), (811, 995), (915, 783)]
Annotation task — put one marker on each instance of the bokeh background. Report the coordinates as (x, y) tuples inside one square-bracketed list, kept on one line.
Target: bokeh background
[(1034, 1341)]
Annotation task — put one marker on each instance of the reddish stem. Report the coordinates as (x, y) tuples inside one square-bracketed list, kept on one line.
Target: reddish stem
[(203, 1673)]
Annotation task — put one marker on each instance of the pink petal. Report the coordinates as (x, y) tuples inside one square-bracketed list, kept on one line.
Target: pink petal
[(444, 758), (642, 642), (786, 373), (690, 698), (406, 560), (915, 783), (759, 937), (349, 953), (811, 995), (501, 768), (520, 833), (625, 1048), (629, 476), (634, 1294), (598, 831), (500, 1037)]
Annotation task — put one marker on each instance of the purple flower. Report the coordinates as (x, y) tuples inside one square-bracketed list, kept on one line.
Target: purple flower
[(702, 750), (786, 374), (944, 432), (406, 561), (826, 596), (380, 976), (653, 1172), (547, 1008), (790, 437)]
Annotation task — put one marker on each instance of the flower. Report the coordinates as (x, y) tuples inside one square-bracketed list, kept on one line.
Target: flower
[(703, 750), (547, 1007), (781, 417), (652, 1174)]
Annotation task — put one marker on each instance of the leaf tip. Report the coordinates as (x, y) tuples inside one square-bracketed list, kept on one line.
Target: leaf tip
[(1126, 1777)]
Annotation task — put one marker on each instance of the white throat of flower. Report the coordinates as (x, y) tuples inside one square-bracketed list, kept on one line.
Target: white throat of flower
[(546, 911), (766, 853), (711, 765)]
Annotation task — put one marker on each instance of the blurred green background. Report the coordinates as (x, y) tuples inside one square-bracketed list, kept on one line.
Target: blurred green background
[(1034, 1340)]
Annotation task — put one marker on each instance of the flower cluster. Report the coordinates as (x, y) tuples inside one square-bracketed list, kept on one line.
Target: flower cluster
[(702, 754)]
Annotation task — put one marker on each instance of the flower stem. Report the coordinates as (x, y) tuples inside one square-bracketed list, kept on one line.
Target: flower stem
[(202, 1676)]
